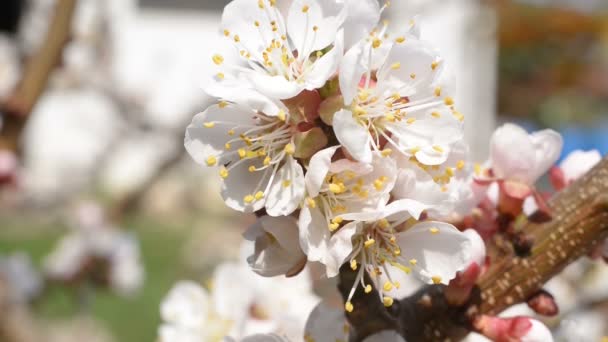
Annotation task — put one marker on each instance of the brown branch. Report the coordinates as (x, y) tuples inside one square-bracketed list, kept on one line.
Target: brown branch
[(580, 222), (36, 75)]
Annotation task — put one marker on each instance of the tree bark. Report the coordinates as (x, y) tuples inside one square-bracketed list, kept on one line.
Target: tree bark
[(579, 223)]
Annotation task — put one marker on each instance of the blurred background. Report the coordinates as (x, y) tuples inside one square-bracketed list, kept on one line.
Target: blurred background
[(94, 99)]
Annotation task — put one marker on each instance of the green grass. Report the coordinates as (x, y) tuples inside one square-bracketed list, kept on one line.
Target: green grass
[(129, 319)]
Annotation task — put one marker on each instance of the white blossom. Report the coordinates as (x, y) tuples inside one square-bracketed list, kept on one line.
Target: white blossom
[(255, 156), (93, 240), (328, 323), (239, 304), (397, 97), (288, 47), (336, 189), (433, 251), (518, 156)]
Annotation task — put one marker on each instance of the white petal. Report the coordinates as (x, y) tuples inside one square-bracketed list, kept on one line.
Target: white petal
[(287, 190), (353, 137), (229, 279), (512, 153), (202, 142), (314, 233), (478, 247), (538, 333), (429, 155), (274, 86), (440, 249), (240, 92), (413, 57), (385, 336), (416, 184), (395, 211), (300, 26), (239, 17), (362, 18), (326, 66), (241, 183), (548, 146), (172, 333), (353, 65), (318, 169), (284, 229), (326, 323), (187, 305), (340, 247), (578, 162), (278, 254)]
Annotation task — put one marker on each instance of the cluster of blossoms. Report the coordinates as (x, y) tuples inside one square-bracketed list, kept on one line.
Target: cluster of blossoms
[(264, 305), (340, 132), (98, 253)]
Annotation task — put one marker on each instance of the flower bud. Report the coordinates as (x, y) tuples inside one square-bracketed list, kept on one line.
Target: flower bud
[(543, 303)]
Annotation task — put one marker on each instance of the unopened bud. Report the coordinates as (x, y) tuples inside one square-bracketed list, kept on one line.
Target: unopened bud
[(543, 303)]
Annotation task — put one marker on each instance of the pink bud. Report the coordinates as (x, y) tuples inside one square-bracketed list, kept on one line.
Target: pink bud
[(520, 328), (543, 303)]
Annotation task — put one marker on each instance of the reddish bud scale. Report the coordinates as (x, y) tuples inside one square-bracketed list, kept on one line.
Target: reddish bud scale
[(460, 288), (557, 178), (503, 329)]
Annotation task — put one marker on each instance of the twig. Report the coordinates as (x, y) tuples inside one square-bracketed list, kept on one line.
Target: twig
[(36, 75)]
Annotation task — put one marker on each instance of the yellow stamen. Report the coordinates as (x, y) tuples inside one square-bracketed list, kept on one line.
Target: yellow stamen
[(369, 243), (368, 289), (217, 59), (376, 43), (349, 307), (460, 165), (282, 115), (311, 203), (211, 160), (388, 286), (436, 280), (259, 195), (449, 101), (209, 124), (434, 230), (388, 301), (290, 149), (223, 173), (248, 199)]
